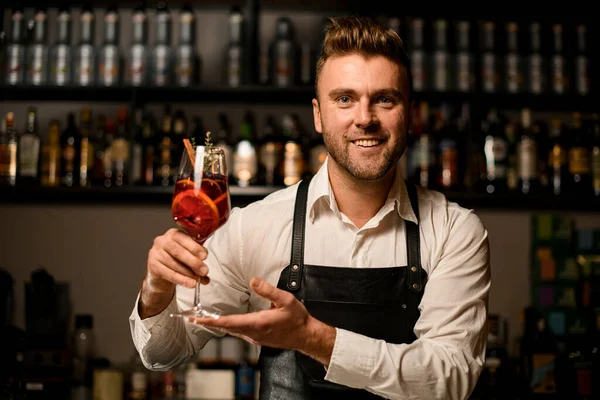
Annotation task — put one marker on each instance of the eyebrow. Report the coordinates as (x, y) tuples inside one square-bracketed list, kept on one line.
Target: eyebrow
[(389, 92)]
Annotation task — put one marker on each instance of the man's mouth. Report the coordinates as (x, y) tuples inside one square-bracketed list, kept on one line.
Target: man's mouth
[(366, 142)]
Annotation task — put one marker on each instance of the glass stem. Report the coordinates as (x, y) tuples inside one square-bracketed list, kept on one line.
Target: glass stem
[(197, 293)]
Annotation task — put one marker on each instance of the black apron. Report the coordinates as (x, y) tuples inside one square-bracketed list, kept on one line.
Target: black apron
[(381, 303)]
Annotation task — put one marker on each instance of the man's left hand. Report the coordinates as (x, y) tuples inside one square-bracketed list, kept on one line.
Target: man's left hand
[(286, 325)]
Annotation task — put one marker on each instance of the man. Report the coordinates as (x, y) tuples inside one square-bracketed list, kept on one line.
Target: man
[(385, 293)]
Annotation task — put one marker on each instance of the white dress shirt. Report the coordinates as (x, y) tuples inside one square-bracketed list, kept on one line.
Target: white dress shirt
[(447, 357)]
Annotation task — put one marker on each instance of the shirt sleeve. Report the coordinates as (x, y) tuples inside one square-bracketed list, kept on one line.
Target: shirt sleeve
[(164, 342), (447, 358)]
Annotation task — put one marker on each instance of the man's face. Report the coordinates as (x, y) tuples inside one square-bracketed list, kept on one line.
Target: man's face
[(363, 113)]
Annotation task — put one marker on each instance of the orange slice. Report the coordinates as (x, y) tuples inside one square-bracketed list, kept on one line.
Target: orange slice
[(196, 213)]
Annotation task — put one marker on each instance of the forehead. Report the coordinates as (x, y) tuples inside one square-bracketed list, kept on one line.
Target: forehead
[(358, 71)]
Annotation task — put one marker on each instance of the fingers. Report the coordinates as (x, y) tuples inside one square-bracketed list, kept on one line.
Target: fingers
[(277, 296), (183, 249), (163, 266)]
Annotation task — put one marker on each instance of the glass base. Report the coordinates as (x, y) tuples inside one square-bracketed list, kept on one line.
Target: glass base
[(199, 311)]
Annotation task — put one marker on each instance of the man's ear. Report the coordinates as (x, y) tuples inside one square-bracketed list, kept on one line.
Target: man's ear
[(317, 116)]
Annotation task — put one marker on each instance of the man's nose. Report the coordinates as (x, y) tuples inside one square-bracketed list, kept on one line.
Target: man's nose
[(365, 115)]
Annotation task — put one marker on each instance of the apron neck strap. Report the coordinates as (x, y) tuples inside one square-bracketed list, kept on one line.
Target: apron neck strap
[(298, 229), (413, 247)]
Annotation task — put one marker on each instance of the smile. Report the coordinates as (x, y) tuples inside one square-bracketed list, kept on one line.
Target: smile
[(367, 143)]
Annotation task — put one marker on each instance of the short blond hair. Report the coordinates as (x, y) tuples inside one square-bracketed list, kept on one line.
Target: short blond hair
[(361, 35)]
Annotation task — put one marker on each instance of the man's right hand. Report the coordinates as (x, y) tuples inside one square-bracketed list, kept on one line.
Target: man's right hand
[(174, 259)]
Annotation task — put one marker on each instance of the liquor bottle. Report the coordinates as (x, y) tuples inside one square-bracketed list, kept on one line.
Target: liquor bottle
[(270, 153), (15, 50), (558, 178), (559, 71), (165, 160), (582, 74), (137, 147), (514, 74), (595, 128), (85, 54), (424, 148), (537, 81), (179, 133), (137, 58), (109, 69), (83, 343), (70, 143), (107, 156), (223, 140), (161, 53), (149, 148), (187, 71), (97, 145), (8, 151), (245, 160), (293, 165), (465, 64), (490, 72), (86, 149), (29, 149), (284, 54), (37, 52), (120, 150), (443, 71), (61, 52), (496, 153), (448, 150), (317, 153), (527, 155), (419, 58), (579, 158), (234, 72), (51, 156)]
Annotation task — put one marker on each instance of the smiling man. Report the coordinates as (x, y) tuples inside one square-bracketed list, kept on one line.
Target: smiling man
[(355, 284)]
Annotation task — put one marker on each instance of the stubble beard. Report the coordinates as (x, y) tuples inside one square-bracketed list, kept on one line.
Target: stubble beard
[(374, 169)]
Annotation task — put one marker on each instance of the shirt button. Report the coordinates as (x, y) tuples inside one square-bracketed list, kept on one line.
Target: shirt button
[(415, 286)]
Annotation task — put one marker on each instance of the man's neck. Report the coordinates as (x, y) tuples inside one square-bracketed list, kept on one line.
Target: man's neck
[(359, 200)]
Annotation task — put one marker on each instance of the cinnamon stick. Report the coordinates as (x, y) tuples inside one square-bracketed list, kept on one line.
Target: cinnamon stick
[(190, 150)]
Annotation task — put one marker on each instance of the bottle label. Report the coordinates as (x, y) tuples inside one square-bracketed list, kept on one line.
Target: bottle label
[(449, 160), (418, 70), (61, 66), (37, 68), (558, 74), (557, 157), (496, 154), (185, 66), (293, 164), (513, 73), (318, 155), (161, 64), (490, 78), (84, 161), (579, 161), (536, 74), (284, 71), (29, 150), (85, 69), (8, 160), (441, 67), (463, 72), (527, 162), (109, 68), (234, 67), (245, 162), (269, 156), (596, 168), (424, 152), (15, 64), (582, 76), (136, 65), (68, 155)]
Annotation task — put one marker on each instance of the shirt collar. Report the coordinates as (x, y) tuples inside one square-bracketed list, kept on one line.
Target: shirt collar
[(320, 193)]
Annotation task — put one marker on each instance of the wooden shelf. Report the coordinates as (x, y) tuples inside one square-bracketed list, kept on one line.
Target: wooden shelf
[(242, 196), (255, 94)]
